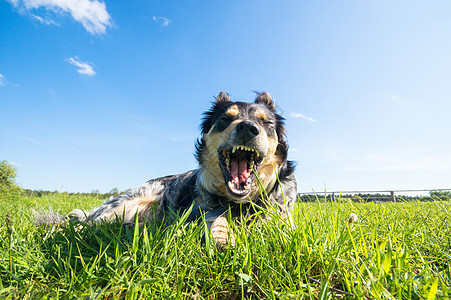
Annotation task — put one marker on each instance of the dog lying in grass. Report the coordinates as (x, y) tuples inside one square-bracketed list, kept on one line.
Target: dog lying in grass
[(242, 155)]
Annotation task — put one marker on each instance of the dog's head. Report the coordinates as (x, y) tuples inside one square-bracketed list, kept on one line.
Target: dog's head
[(240, 140)]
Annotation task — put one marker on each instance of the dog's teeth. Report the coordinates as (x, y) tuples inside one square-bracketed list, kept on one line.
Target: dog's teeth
[(245, 148), (228, 163)]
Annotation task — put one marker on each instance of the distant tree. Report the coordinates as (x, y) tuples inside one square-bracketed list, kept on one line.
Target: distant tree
[(125, 191), (114, 192), (7, 174), (442, 195), (8, 186)]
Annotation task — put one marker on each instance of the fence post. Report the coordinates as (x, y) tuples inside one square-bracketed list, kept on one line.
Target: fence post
[(393, 197)]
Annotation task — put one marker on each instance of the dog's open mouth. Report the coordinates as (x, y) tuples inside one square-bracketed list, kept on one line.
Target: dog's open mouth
[(237, 164)]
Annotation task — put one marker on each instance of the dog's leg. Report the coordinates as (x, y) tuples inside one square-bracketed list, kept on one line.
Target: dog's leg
[(219, 226), (222, 233)]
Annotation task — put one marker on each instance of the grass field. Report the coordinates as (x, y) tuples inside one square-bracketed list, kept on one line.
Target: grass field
[(394, 250)]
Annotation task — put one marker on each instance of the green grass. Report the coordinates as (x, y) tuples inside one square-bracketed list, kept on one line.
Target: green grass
[(394, 250)]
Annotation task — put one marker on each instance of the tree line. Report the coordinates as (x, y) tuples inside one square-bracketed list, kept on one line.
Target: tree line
[(9, 187), (434, 195)]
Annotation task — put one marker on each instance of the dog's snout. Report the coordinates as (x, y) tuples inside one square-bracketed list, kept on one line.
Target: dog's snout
[(247, 128)]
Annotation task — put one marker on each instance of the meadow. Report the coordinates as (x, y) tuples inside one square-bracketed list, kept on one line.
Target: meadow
[(393, 251)]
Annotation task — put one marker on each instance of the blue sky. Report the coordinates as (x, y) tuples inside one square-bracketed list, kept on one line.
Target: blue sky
[(97, 95)]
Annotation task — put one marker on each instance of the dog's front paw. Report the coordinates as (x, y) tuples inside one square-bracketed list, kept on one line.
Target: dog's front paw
[(221, 232)]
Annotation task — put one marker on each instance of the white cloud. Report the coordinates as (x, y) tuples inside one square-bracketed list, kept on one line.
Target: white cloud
[(83, 67), (92, 14), (297, 116), (162, 21), (46, 20), (4, 81)]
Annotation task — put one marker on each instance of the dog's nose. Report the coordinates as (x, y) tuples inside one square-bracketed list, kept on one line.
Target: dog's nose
[(248, 129)]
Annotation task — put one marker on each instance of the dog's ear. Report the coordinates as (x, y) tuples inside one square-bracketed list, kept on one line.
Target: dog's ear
[(265, 99), (222, 97)]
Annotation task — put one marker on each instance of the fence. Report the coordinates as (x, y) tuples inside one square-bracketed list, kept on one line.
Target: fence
[(383, 195)]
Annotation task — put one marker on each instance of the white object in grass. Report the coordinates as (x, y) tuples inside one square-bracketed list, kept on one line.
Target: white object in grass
[(353, 218)]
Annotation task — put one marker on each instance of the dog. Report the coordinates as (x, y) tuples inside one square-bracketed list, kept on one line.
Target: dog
[(242, 151)]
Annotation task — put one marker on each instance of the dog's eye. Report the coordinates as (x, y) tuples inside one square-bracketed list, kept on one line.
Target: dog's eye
[(267, 122)]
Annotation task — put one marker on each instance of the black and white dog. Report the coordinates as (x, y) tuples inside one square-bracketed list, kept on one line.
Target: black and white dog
[(242, 150)]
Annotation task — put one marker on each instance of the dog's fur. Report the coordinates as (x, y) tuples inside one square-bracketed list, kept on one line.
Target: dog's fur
[(225, 180)]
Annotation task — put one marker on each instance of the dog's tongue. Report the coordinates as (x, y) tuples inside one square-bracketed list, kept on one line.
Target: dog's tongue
[(239, 171)]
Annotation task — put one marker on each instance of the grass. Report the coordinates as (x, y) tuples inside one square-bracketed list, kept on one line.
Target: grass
[(393, 251)]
